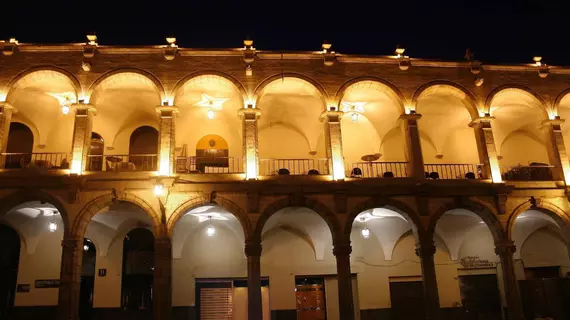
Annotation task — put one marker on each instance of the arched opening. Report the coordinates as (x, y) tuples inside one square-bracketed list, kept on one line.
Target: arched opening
[(87, 279), (468, 270), (297, 257), (448, 143), (209, 105), (372, 139), (96, 150), (9, 260), (542, 264), (125, 260), (523, 146), (209, 266), (389, 272), (39, 230), (138, 270), (290, 132), (19, 147), (143, 152), (212, 156)]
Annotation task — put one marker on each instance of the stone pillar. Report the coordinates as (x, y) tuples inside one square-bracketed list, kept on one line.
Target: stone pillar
[(426, 251), (557, 150), (505, 250), (344, 277), (486, 148), (250, 115), (167, 143), (70, 278), (413, 146), (333, 139), (6, 112), (254, 305), (162, 291), (81, 137)]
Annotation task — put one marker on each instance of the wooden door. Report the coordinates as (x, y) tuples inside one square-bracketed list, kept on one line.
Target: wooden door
[(407, 300), (480, 297), (310, 302)]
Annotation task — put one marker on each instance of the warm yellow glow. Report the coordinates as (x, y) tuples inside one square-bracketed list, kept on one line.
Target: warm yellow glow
[(211, 114), (251, 172), (495, 170), (537, 61), (552, 114), (92, 39), (408, 109), (211, 102), (76, 163), (158, 189), (171, 41), (2, 97), (13, 40), (65, 109), (164, 169), (248, 71)]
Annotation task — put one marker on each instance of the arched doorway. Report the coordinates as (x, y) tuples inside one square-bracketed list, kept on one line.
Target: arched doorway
[(96, 152), (143, 148), (20, 146), (87, 279), (138, 270), (212, 154), (9, 260)]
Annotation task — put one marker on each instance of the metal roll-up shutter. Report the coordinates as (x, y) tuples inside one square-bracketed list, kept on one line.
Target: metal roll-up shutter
[(215, 303)]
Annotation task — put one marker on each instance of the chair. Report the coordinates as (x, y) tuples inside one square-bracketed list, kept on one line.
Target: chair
[(313, 172), (470, 175), (388, 174), (283, 172), (356, 173), (434, 175)]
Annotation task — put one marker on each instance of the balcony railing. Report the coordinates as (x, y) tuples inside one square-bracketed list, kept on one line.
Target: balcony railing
[(533, 172), (377, 169), (42, 160), (271, 167), (209, 165), (120, 163), (453, 171)]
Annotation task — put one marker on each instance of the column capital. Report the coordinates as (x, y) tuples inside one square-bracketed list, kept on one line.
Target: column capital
[(410, 116), (72, 243), (167, 110), (425, 250), (485, 119), (6, 105), (249, 113), (331, 116), (342, 250), (253, 249), (553, 122), (505, 247), (84, 106)]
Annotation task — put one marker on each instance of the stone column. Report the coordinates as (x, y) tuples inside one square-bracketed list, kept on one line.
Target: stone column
[(333, 139), (557, 150), (413, 146), (70, 278), (486, 148), (344, 277), (250, 115), (167, 144), (81, 137), (426, 251), (505, 250), (254, 305), (6, 112), (162, 291)]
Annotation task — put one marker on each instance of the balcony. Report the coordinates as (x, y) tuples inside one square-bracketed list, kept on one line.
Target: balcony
[(532, 172), (297, 167), (209, 165), (453, 171), (377, 169), (42, 160), (123, 163)]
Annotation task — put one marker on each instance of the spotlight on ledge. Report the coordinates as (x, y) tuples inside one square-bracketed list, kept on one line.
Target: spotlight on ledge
[(158, 189), (171, 41), (537, 61), (399, 51)]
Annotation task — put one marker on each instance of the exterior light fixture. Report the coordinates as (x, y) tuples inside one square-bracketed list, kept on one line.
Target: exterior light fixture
[(210, 231), (354, 117), (85, 247), (365, 233), (399, 51), (171, 41), (211, 114), (158, 189), (92, 39), (52, 226), (65, 109), (537, 61), (248, 71)]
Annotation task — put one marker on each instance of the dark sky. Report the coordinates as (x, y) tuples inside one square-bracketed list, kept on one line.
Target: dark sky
[(497, 31)]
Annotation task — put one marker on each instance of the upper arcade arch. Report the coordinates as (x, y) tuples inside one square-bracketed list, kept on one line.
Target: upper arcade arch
[(36, 75), (302, 81), (452, 89), (201, 78), (549, 209)]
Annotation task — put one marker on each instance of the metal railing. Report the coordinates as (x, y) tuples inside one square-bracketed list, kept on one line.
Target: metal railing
[(39, 160), (453, 171), (272, 167), (119, 163), (209, 165), (377, 169), (527, 173)]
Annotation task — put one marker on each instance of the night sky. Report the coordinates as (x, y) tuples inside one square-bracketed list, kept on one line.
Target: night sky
[(497, 31)]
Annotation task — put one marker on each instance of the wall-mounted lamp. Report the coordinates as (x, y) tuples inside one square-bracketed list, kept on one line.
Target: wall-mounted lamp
[(158, 189), (211, 114), (210, 230)]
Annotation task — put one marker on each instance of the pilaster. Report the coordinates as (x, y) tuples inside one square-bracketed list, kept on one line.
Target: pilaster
[(250, 115), (426, 251), (333, 139), (413, 145), (346, 303), (557, 150), (162, 294), (70, 277), (82, 128), (167, 143), (6, 112), (486, 148), (254, 305), (505, 250)]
